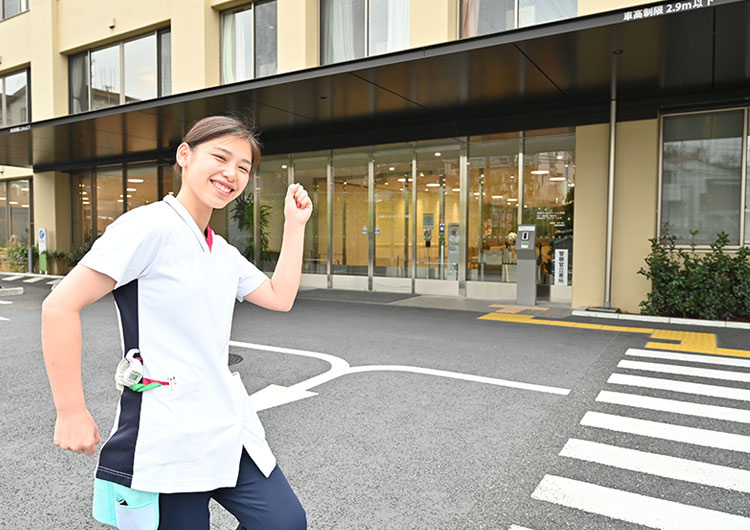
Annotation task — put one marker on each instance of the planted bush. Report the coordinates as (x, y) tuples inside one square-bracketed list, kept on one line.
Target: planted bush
[(714, 285)]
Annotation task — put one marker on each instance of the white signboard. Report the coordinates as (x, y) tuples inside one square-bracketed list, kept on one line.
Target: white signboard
[(42, 240), (561, 266)]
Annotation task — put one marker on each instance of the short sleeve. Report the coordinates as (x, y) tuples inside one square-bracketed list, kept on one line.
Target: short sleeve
[(128, 246), (250, 277)]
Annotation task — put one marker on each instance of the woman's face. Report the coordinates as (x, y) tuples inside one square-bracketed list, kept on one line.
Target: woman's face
[(216, 171)]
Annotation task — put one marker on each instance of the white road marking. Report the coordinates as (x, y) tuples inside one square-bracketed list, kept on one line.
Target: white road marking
[(278, 395), (667, 431), (678, 407), (699, 389), (725, 375), (516, 527), (5, 302), (4, 319), (34, 279), (53, 283), (13, 278), (660, 465), (633, 507), (691, 357)]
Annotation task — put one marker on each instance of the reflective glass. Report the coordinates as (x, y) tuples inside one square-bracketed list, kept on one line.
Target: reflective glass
[(701, 176), (237, 46), (11, 8), (79, 82), (141, 186), (165, 63), (109, 198), (16, 99), (493, 209), (273, 180), (105, 77), (548, 197), (83, 220), (393, 185), (539, 11), (350, 213), (20, 205), (310, 171), (479, 17), (4, 213), (438, 192), (265, 39), (342, 30), (141, 81), (389, 26)]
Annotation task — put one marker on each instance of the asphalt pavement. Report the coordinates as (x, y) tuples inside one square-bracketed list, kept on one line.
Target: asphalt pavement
[(386, 412)]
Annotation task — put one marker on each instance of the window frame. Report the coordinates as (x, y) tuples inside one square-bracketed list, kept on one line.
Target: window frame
[(222, 17), (3, 110), (121, 54), (742, 240), (23, 6)]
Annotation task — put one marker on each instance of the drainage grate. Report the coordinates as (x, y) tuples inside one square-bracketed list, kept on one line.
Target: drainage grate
[(234, 359)]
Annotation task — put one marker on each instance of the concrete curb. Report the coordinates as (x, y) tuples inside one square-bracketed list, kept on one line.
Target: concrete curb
[(11, 291), (662, 320)]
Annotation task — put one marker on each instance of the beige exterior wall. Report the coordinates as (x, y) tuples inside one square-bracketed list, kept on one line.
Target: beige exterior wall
[(590, 216), (432, 22), (52, 209), (589, 7), (298, 22), (15, 42), (636, 190), (195, 45), (48, 67), (11, 172)]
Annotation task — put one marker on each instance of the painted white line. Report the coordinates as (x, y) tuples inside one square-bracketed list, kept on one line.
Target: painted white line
[(34, 279), (13, 278), (690, 357), (667, 431), (3, 319), (633, 507), (54, 282), (699, 389), (516, 527), (725, 375), (464, 377), (5, 302), (727, 478), (678, 407), (275, 395)]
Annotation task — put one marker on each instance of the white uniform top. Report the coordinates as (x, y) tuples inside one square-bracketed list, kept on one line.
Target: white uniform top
[(175, 299)]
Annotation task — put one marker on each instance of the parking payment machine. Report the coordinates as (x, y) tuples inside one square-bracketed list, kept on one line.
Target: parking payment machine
[(526, 257)]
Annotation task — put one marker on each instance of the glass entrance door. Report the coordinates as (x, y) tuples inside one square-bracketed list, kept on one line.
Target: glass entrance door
[(393, 185)]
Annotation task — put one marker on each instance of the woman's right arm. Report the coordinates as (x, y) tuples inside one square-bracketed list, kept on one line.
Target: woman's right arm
[(75, 429)]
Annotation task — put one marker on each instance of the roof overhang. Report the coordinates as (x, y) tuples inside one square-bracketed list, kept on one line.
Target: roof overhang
[(552, 75)]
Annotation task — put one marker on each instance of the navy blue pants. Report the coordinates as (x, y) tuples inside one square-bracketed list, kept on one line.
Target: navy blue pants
[(258, 503)]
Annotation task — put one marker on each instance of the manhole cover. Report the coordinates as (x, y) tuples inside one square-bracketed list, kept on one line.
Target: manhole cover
[(234, 359)]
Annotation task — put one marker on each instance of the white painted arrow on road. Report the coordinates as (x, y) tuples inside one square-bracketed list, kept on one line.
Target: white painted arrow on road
[(275, 395)]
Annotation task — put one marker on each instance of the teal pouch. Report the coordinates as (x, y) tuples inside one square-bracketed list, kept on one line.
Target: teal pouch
[(125, 508)]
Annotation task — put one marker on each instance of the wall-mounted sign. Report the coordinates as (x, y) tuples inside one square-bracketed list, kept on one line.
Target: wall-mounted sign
[(561, 266)]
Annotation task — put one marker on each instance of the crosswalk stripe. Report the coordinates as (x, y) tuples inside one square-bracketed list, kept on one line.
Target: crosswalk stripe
[(725, 375), (54, 282), (699, 389), (667, 431), (660, 465), (633, 507), (34, 279), (13, 278), (673, 405), (4, 319), (691, 357)]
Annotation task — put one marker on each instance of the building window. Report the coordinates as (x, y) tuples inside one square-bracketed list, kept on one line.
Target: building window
[(11, 8), (702, 181), (352, 29), (480, 17), (14, 107), (130, 71), (249, 42), (15, 207)]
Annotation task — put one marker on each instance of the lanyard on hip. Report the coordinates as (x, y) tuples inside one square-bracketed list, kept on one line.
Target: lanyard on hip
[(129, 374)]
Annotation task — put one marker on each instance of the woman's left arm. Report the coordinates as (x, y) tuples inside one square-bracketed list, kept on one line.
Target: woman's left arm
[(280, 291)]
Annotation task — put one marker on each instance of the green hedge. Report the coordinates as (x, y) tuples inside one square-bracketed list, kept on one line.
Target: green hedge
[(714, 285)]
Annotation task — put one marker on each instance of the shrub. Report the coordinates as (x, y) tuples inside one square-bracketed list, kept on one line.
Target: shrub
[(684, 283)]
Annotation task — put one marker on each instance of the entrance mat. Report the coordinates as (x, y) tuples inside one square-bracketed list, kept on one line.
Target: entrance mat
[(339, 295)]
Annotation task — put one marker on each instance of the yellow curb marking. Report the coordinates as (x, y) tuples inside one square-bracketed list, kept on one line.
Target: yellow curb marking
[(686, 341), (517, 308)]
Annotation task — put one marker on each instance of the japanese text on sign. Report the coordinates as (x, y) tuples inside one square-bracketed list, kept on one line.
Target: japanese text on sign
[(666, 9), (561, 266)]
